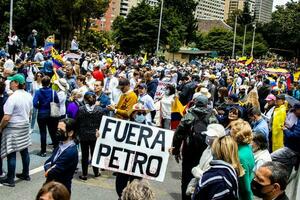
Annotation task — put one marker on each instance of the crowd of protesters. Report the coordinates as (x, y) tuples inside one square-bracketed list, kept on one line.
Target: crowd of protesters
[(238, 138)]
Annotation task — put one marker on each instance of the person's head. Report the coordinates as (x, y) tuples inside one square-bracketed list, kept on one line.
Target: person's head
[(142, 89), (124, 85), (80, 80), (88, 75), (136, 190), (241, 132), (69, 71), (90, 98), (233, 99), (271, 99), (98, 86), (243, 89), (17, 82), (254, 114), (259, 142), (75, 38), (280, 99), (136, 75), (296, 108), (13, 32), (34, 32), (234, 114), (138, 113), (46, 81), (170, 89), (270, 180), (226, 149), (66, 130), (201, 101), (38, 76), (53, 191), (62, 84), (148, 76), (74, 95), (229, 80), (222, 92), (213, 131)]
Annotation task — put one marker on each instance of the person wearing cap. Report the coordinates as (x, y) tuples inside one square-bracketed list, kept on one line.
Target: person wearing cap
[(146, 100), (14, 127), (220, 181), (32, 43), (41, 101), (189, 135), (126, 101), (137, 113), (289, 155), (87, 121), (63, 88), (269, 107), (277, 123), (213, 132)]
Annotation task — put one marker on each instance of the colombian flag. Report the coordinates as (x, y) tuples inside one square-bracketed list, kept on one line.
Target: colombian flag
[(177, 111), (49, 43), (249, 61), (56, 59), (144, 59)]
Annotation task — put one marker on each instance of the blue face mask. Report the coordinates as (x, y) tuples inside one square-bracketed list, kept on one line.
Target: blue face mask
[(139, 118)]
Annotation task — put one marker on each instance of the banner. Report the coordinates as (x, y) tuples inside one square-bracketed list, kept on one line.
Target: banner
[(160, 90), (132, 148)]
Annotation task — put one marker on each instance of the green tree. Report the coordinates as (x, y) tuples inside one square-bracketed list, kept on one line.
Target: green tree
[(283, 31)]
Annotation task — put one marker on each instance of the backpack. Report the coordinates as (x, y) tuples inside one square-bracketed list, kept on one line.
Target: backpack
[(195, 142)]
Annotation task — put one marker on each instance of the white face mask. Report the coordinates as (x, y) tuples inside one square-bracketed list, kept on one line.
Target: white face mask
[(140, 118)]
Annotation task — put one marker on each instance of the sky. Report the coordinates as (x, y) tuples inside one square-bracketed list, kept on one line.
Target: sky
[(279, 2)]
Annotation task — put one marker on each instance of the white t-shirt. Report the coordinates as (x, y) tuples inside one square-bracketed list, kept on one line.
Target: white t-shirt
[(148, 102), (166, 106), (19, 105)]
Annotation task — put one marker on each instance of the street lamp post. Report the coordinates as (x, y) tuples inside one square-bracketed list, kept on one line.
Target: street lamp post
[(234, 37), (244, 41), (11, 16), (253, 39), (159, 26)]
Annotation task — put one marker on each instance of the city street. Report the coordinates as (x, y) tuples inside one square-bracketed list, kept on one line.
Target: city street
[(94, 188)]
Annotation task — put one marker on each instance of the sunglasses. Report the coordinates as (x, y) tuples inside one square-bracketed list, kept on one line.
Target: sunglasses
[(141, 113)]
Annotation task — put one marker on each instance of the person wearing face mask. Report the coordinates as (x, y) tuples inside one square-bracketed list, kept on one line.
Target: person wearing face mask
[(87, 121), (61, 165), (137, 114), (166, 106), (270, 181)]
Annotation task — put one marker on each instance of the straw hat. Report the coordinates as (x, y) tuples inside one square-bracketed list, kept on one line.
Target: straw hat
[(62, 84)]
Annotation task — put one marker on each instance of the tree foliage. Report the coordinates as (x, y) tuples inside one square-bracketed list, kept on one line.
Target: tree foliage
[(62, 17)]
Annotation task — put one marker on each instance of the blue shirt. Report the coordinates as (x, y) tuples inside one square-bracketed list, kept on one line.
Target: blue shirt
[(261, 126)]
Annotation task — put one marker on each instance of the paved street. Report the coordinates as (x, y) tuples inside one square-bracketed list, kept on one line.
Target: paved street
[(95, 188)]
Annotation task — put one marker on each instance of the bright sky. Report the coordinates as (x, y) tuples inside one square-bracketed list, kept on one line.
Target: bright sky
[(279, 2)]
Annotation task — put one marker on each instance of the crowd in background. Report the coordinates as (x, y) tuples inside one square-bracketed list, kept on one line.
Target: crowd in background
[(238, 137)]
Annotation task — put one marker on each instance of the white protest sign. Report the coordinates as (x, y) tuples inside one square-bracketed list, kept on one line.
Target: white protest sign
[(132, 148), (160, 91)]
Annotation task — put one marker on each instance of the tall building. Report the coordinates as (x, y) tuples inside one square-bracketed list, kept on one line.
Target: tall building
[(153, 2), (110, 15), (126, 5), (210, 9), (233, 5), (263, 10)]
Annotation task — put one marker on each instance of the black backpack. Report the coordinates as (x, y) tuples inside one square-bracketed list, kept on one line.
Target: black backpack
[(195, 142)]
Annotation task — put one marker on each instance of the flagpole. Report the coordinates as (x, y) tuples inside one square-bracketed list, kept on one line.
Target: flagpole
[(159, 26), (234, 37), (11, 16), (253, 39)]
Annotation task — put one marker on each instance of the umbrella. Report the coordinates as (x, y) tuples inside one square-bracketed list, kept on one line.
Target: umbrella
[(72, 56), (291, 100)]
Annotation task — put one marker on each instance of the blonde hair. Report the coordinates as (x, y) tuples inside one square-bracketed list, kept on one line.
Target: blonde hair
[(226, 149), (138, 190), (241, 131), (252, 98)]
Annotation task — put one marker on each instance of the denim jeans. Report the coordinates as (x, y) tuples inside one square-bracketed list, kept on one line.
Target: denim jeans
[(33, 118), (28, 87), (11, 164)]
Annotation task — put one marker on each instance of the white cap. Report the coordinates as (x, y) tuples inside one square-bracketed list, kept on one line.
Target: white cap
[(215, 130)]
